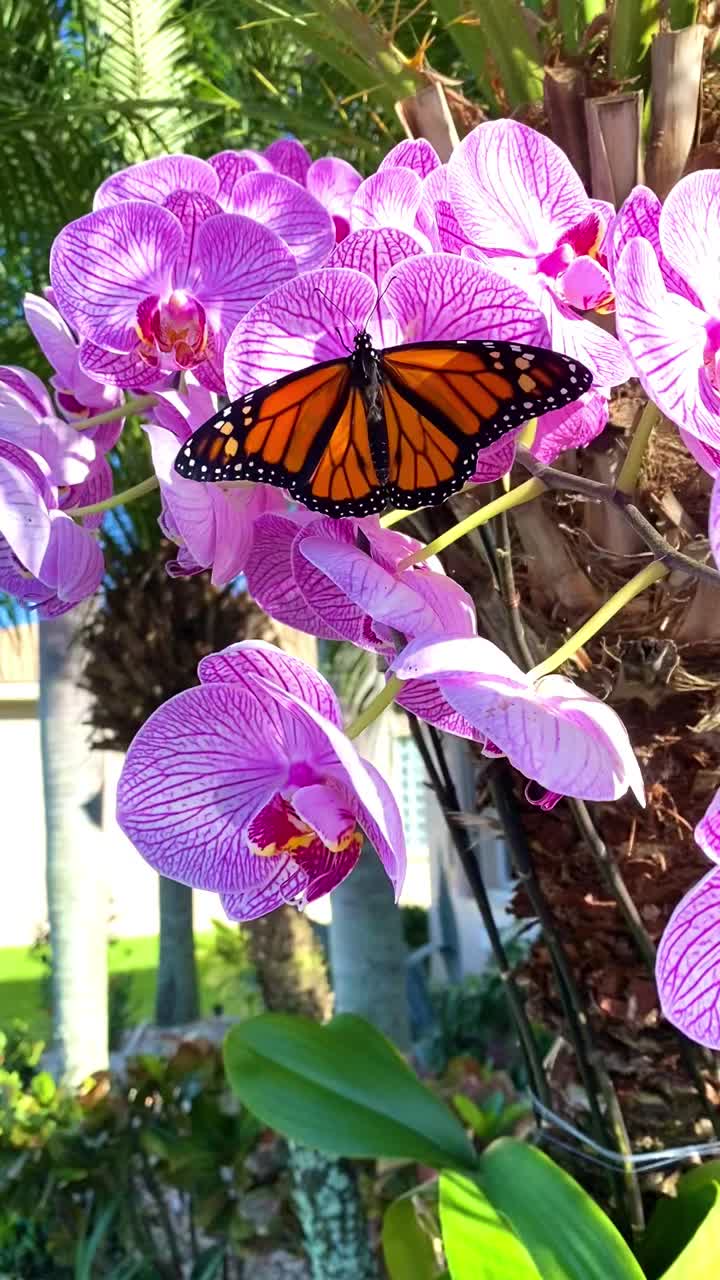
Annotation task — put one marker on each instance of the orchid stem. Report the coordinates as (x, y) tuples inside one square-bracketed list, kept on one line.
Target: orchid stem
[(376, 707), (125, 410), (653, 573), (515, 498), (117, 499), (630, 470)]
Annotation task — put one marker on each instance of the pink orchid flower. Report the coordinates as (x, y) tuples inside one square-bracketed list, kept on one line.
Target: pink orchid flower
[(47, 559), (76, 395), (345, 580), (688, 958), (668, 305), (156, 278), (560, 737), (212, 524), (247, 786), (519, 203)]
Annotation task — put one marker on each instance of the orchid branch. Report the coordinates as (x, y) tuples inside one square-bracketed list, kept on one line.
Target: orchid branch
[(376, 707), (126, 410), (651, 574), (630, 470), (117, 499), (515, 498), (564, 482)]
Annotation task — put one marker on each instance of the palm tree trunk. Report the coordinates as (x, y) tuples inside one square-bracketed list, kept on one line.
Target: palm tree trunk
[(76, 886), (367, 947), (176, 992)]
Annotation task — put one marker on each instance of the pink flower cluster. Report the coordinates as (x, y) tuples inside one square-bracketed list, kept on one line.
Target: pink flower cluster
[(197, 279)]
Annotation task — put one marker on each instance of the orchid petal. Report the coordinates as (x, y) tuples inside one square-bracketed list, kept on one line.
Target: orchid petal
[(390, 198), (587, 285), (73, 562), (282, 206), (51, 334), (554, 732), (290, 880), (105, 264), (239, 663), (640, 216), (231, 165), (312, 318), (496, 460), (22, 389), (690, 233), (707, 831), (270, 579), (582, 339), (120, 369), (688, 963), (238, 263), (374, 253), (320, 806), (289, 157), (413, 153), (156, 179), (571, 427), (191, 209), (333, 182), (446, 297), (197, 772), (24, 518), (513, 189), (665, 338)]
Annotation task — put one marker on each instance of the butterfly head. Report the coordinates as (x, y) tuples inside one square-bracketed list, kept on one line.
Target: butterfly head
[(363, 341)]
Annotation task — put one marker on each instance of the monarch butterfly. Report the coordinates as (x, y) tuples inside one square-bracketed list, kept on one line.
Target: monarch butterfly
[(400, 426)]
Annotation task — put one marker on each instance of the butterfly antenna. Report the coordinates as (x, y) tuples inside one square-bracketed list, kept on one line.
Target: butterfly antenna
[(378, 300), (332, 303)]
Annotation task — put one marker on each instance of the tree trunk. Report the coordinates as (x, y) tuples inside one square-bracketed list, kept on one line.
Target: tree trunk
[(368, 952), (291, 970), (176, 992), (76, 887), (367, 947)]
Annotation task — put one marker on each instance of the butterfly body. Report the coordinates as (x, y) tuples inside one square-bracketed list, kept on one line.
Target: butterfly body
[(399, 426)]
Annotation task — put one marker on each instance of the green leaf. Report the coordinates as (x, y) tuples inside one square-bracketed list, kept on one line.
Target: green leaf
[(704, 1175), (514, 52), (43, 1088), (575, 17), (683, 1236), (407, 1248), (210, 1262), (478, 1244), (633, 24), (342, 1088), (567, 1234), (700, 1259)]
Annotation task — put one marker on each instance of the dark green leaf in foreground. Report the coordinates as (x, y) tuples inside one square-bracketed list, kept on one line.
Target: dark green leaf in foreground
[(342, 1088), (566, 1233)]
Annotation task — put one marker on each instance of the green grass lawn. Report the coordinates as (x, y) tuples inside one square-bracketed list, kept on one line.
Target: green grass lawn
[(21, 981)]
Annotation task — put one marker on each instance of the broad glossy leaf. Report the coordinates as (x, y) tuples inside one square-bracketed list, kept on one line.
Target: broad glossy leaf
[(674, 1222), (342, 1088), (478, 1244), (407, 1248), (567, 1234)]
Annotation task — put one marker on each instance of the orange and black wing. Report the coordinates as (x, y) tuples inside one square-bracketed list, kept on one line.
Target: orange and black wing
[(444, 401), (307, 433)]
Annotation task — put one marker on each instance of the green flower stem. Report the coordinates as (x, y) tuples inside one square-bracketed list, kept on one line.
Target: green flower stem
[(138, 405), (515, 498), (117, 499), (376, 707), (652, 573), (630, 469)]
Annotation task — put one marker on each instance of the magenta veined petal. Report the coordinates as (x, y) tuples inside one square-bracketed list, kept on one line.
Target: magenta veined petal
[(104, 265), (513, 189), (242, 662), (286, 208), (238, 262), (413, 153), (312, 318), (690, 233), (707, 831), (231, 165), (688, 963), (290, 158), (271, 581), (292, 881), (441, 296), (156, 179)]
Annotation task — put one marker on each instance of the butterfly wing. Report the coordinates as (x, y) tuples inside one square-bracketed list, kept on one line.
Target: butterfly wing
[(276, 434), (444, 401)]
